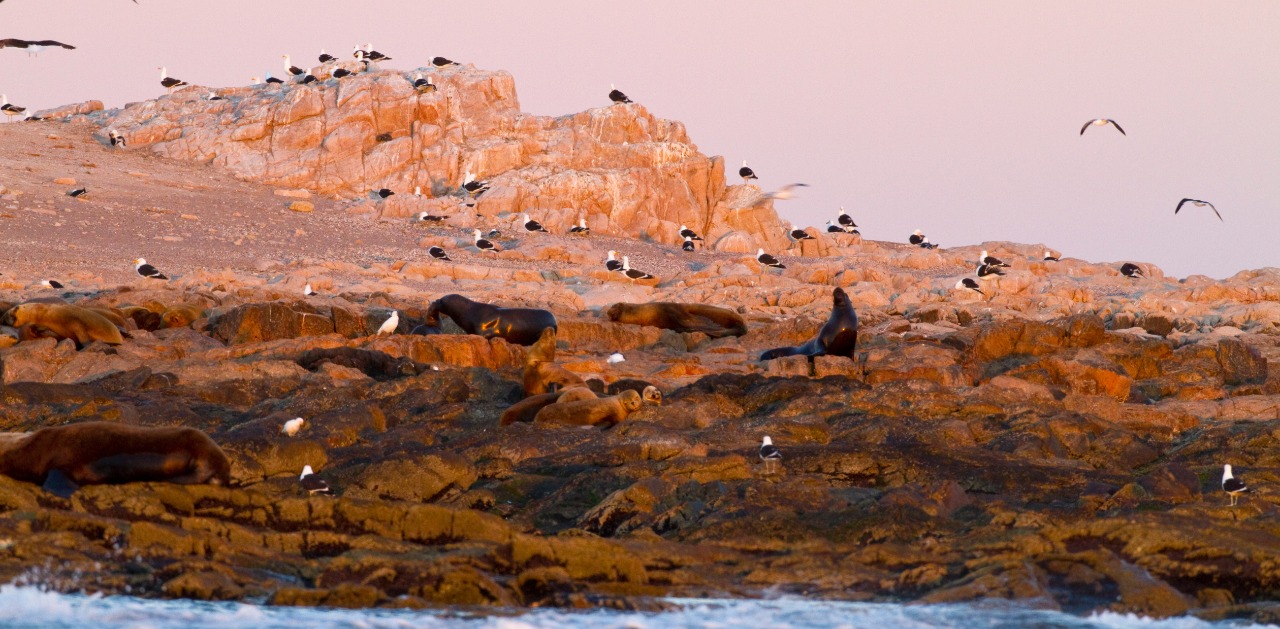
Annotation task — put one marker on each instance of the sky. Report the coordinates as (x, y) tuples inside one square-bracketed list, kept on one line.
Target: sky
[(961, 119)]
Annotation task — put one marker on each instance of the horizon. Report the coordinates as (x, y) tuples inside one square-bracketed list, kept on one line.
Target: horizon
[(950, 119)]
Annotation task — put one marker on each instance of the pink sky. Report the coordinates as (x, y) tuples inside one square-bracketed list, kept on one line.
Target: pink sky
[(960, 119)]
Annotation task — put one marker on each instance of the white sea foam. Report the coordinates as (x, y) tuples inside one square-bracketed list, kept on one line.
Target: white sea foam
[(32, 607)]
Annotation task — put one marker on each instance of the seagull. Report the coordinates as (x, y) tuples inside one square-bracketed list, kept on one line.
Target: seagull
[(1129, 269), (688, 244), (326, 57), (921, 240), (1197, 203), (425, 217), (615, 358), (746, 173), (33, 47), (146, 270), (482, 244), (271, 80), (689, 233), (340, 73), (389, 326), (983, 258), (631, 273), (51, 283), (611, 263), (616, 96), (581, 228), (474, 186), (383, 193), (308, 78), (116, 138), (167, 81), (844, 219), (769, 454), (768, 260), (78, 192), (214, 96), (308, 291), (290, 68), (423, 84), (1049, 257), (10, 110), (442, 62), (531, 225), (834, 229), (292, 426), (373, 55), (493, 233), (786, 192), (797, 234), (988, 271), (1232, 485), (1098, 122), (970, 284), (312, 483), (439, 254)]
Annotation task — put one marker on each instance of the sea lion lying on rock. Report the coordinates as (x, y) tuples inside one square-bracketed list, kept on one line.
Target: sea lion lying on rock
[(649, 393), (64, 321), (713, 321), (521, 326), (527, 409), (143, 318), (541, 374), (375, 364), (61, 458), (604, 412), (838, 336)]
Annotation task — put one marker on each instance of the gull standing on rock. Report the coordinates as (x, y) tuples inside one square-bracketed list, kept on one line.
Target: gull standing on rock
[(983, 258), (290, 68), (1232, 485), (291, 427), (921, 240), (611, 263), (51, 283), (769, 454), (439, 254), (1129, 269), (746, 173), (685, 232), (688, 244), (989, 271), (167, 81), (768, 260), (389, 326), (423, 84), (311, 483), (617, 96), (326, 57), (308, 291), (797, 234), (10, 110), (482, 244), (1049, 257), (442, 62), (633, 274), (970, 284), (146, 270), (117, 140), (844, 219), (581, 228), (531, 225)]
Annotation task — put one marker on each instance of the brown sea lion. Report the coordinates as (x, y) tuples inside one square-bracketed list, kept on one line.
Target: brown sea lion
[(541, 374), (143, 318), (521, 326), (525, 410), (649, 393), (713, 321), (838, 336), (89, 453), (65, 321), (180, 316), (110, 314), (605, 411)]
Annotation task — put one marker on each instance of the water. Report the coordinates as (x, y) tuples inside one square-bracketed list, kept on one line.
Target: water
[(22, 607)]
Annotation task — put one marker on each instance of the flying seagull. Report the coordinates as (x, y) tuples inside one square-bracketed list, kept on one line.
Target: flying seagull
[(769, 454), (970, 284), (34, 47), (1098, 122), (168, 82), (633, 274), (1129, 269), (768, 260), (611, 263), (146, 270), (1197, 203), (389, 326), (785, 192), (746, 173), (1232, 485), (616, 96)]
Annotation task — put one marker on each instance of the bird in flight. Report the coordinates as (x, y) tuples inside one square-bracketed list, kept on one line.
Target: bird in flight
[(1098, 122), (33, 47), (1198, 203)]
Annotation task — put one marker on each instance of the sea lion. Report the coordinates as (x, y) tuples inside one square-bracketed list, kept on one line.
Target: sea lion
[(605, 411), (375, 364), (180, 316), (541, 375), (525, 410), (110, 314), (90, 453), (713, 321), (521, 326), (838, 336), (65, 321), (649, 393), (143, 318)]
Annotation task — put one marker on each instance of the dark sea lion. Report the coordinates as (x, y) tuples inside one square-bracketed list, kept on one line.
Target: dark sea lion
[(521, 326), (375, 364), (64, 321), (605, 411), (143, 318), (91, 453), (838, 336), (713, 321)]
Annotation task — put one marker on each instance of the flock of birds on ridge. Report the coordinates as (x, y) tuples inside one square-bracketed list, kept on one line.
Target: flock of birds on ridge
[(988, 267)]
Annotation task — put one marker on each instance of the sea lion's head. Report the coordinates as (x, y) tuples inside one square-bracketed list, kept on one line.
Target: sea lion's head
[(615, 311), (630, 400), (652, 395)]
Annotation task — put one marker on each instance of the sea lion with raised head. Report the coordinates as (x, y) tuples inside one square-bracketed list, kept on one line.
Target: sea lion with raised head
[(521, 326), (541, 374), (92, 453), (838, 336), (525, 410), (64, 321), (713, 321), (605, 411)]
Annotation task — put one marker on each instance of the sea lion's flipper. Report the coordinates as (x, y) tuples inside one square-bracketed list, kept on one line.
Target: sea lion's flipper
[(58, 484)]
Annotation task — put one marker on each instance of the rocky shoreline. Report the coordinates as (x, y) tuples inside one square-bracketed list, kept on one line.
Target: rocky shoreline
[(1058, 442)]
